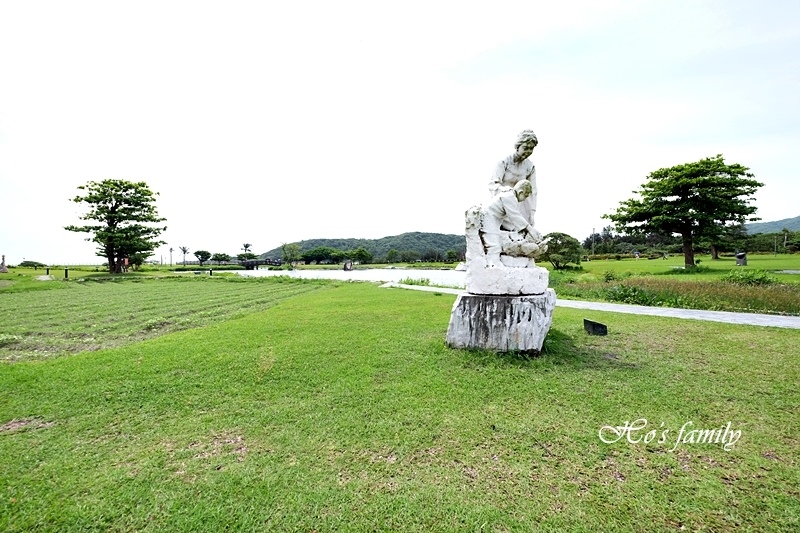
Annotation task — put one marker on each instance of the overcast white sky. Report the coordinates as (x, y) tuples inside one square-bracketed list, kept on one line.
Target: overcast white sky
[(270, 122)]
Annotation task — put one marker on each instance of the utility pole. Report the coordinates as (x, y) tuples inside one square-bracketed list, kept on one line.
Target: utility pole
[(170, 256), (592, 241)]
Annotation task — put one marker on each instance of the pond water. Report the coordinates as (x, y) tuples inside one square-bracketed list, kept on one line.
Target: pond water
[(448, 278)]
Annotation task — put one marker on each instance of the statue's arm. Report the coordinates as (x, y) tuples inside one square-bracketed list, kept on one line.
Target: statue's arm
[(533, 196), (513, 218), (496, 182)]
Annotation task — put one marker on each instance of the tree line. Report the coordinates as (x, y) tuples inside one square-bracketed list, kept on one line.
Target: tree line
[(684, 208), (327, 254), (734, 239), (204, 255), (405, 248)]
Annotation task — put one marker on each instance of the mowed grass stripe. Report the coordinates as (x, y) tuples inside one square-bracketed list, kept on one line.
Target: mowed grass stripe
[(175, 287), (109, 300), (96, 315)]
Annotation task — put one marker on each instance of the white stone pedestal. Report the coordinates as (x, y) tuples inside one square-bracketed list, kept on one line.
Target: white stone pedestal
[(505, 281), (501, 323)]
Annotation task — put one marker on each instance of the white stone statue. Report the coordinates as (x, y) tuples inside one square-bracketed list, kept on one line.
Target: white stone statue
[(518, 239), (3, 269), (508, 305), (515, 168), (500, 233)]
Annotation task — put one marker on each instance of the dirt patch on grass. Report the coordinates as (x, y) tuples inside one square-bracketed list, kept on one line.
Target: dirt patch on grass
[(23, 424), (199, 456), (220, 445)]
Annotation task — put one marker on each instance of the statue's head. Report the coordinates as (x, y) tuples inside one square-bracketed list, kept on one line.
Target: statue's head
[(523, 189), (526, 138)]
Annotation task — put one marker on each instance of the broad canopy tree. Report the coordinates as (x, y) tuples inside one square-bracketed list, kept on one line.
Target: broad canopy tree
[(562, 249), (694, 200), (290, 253), (202, 256), (318, 254), (124, 220), (220, 257)]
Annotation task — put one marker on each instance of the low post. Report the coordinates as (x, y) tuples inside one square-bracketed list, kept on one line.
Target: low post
[(66, 273), (210, 272), (48, 271)]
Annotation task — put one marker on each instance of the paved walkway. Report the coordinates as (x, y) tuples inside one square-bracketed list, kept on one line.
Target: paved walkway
[(751, 319)]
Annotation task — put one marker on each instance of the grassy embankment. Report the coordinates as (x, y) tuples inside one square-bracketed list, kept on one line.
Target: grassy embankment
[(664, 283), (342, 410)]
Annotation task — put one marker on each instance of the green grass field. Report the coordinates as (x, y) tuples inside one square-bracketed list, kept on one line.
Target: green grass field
[(710, 268), (337, 407), (91, 314), (665, 283)]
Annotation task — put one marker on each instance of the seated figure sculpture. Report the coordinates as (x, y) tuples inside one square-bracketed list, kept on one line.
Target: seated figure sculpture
[(502, 243), (515, 168), (517, 238)]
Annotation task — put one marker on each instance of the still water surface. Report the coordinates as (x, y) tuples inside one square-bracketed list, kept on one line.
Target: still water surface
[(448, 278)]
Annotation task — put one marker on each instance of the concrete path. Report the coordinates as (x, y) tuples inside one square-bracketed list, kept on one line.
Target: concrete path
[(751, 319)]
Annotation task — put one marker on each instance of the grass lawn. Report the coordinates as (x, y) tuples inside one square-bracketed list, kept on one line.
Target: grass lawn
[(665, 283), (341, 409), (709, 267), (43, 319)]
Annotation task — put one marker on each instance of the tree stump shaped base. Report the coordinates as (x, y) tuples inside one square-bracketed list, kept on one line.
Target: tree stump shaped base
[(501, 323)]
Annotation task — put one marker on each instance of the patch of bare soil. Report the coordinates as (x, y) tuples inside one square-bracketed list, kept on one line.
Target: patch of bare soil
[(22, 424)]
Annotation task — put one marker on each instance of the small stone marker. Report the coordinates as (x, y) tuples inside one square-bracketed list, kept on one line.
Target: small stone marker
[(3, 269), (594, 328)]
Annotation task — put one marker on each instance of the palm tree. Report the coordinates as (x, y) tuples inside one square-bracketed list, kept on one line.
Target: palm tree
[(185, 250), (246, 247)]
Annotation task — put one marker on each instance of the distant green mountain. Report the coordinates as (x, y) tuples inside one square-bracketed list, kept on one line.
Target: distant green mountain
[(792, 224), (415, 241)]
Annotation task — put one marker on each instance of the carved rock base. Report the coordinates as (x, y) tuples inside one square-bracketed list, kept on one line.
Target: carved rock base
[(501, 323)]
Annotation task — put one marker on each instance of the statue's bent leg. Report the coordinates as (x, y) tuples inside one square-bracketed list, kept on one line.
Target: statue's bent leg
[(491, 242)]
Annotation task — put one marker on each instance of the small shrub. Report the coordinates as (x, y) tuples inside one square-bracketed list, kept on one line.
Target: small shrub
[(631, 295), (410, 281), (7, 340), (192, 268), (155, 323), (749, 277), (32, 264), (690, 270), (609, 275)]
